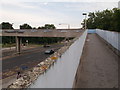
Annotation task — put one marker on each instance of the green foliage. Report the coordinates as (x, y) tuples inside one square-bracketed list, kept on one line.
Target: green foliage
[(25, 26), (34, 27), (41, 27), (6, 25), (42, 40), (106, 19), (8, 39), (32, 40), (47, 26)]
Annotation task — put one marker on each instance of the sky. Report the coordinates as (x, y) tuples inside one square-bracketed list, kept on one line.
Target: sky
[(40, 12)]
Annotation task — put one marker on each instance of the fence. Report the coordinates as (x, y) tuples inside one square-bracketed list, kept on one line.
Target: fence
[(62, 74)]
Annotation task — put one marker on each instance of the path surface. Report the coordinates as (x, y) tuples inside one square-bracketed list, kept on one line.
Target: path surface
[(98, 67)]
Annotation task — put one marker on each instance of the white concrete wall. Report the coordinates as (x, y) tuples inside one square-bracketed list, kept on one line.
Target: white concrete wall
[(62, 73), (111, 37)]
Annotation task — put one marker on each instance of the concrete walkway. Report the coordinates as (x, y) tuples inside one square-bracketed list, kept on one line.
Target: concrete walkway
[(98, 67)]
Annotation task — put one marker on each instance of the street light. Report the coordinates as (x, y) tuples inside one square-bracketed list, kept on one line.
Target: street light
[(85, 20), (65, 24), (27, 42)]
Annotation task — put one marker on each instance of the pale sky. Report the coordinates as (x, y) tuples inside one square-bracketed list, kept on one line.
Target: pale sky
[(39, 12)]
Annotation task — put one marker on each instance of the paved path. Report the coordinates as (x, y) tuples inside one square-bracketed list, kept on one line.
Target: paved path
[(99, 65)]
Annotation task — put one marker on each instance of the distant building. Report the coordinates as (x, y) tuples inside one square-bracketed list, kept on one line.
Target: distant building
[(119, 4)]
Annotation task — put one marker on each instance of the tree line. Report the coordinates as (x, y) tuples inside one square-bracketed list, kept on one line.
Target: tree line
[(7, 25), (32, 40), (106, 20)]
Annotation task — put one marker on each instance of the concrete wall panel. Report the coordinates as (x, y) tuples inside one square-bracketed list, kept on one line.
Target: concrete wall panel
[(111, 37)]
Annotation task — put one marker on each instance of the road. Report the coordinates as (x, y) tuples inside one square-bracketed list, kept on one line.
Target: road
[(27, 60), (11, 51), (99, 65)]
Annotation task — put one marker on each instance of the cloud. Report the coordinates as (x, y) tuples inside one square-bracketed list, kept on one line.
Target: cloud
[(33, 14), (91, 6), (60, 0), (39, 13), (45, 3)]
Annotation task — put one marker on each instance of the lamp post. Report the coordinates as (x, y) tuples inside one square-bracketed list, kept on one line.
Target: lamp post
[(85, 14), (65, 24), (27, 42)]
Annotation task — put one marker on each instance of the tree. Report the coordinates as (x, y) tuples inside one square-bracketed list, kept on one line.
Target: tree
[(47, 26), (25, 26), (116, 19), (6, 25), (5, 39), (34, 28), (41, 27), (106, 20)]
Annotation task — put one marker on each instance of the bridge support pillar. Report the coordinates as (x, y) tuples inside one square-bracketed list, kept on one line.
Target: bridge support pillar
[(18, 44)]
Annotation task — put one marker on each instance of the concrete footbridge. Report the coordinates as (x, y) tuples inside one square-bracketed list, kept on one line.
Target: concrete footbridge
[(88, 61)]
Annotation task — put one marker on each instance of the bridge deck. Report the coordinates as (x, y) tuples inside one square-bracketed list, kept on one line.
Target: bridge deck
[(99, 65), (42, 33)]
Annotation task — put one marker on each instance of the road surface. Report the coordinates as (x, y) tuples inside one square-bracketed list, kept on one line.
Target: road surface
[(11, 51), (25, 61)]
